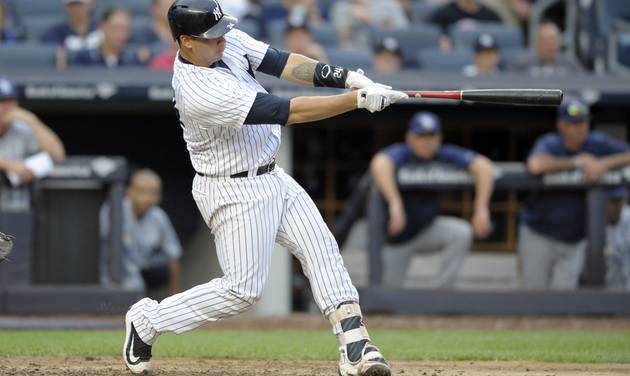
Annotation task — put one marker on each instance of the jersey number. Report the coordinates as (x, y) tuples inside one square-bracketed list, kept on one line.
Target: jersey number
[(181, 123)]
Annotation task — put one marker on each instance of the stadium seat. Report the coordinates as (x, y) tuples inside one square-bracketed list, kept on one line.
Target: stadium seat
[(421, 11), (433, 59), (326, 35), (27, 55), (37, 25), (608, 11), (137, 8), (506, 36), (411, 40), (351, 59), (29, 8), (623, 48), (249, 26)]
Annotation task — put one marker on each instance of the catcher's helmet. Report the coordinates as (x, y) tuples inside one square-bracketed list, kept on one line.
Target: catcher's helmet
[(199, 18)]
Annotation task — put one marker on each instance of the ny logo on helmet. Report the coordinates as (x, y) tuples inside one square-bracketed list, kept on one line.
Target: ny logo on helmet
[(217, 13)]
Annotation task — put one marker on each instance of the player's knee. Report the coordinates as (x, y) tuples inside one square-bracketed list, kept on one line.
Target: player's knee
[(249, 296), (461, 233)]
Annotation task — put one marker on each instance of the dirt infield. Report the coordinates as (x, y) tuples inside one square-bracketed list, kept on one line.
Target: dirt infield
[(194, 367)]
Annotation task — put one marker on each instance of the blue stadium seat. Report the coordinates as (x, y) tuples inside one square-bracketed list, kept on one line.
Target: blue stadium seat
[(27, 55), (326, 35), (506, 36), (139, 8), (421, 11), (433, 59), (411, 40), (608, 11), (623, 48), (249, 26), (28, 8), (37, 25), (351, 59)]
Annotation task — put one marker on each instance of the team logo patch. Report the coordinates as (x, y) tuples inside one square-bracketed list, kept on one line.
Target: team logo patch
[(326, 71), (217, 13)]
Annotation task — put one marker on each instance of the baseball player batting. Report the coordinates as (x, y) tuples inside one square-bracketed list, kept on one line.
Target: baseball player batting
[(232, 128)]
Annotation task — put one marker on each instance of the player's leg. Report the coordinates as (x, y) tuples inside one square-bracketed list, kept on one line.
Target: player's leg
[(396, 260), (450, 236), (568, 266), (304, 232), (243, 215), (535, 254)]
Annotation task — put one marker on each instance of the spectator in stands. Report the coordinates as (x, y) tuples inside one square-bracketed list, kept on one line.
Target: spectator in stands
[(487, 57), (164, 60), (387, 57), (113, 51), (414, 224), (618, 240), (513, 12), (7, 34), (552, 240), (27, 148), (298, 38), (79, 31), (151, 248), (158, 34), (355, 18), (308, 9), (464, 13), (548, 60)]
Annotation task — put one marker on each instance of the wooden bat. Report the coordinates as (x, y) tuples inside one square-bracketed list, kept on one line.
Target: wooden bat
[(531, 97)]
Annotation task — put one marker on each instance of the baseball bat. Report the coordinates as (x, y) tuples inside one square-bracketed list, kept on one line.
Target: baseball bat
[(532, 97)]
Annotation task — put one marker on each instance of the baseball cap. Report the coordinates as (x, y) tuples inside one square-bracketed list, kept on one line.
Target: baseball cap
[(7, 89), (425, 123), (297, 19), (388, 44), (485, 42), (573, 110)]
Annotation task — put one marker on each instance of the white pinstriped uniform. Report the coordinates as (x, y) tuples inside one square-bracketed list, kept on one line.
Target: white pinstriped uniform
[(245, 215)]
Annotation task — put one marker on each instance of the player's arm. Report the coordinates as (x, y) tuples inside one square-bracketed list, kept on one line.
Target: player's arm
[(47, 139), (482, 170), (383, 171), (305, 71), (538, 164), (614, 161)]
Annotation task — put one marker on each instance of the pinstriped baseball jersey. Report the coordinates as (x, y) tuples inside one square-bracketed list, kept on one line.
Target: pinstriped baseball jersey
[(214, 102), (246, 215)]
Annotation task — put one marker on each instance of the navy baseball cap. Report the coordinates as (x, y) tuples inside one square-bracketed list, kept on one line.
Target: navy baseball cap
[(485, 42), (573, 111), (425, 123), (618, 193), (7, 89), (388, 44)]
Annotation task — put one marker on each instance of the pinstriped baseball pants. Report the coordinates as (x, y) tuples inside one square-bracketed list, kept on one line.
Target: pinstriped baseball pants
[(246, 216)]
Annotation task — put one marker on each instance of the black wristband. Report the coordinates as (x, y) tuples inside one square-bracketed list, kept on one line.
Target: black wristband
[(330, 76)]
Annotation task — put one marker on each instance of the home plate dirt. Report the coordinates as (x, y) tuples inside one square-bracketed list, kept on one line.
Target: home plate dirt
[(212, 367)]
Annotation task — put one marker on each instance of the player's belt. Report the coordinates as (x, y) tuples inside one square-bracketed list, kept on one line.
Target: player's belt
[(243, 174)]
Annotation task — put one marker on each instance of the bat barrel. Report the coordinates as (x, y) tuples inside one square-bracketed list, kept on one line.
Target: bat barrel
[(537, 97)]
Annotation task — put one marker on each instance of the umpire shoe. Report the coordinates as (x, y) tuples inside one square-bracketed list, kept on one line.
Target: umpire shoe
[(136, 353), (371, 363)]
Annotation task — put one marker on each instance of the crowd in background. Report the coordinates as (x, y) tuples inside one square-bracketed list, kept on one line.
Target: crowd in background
[(386, 35)]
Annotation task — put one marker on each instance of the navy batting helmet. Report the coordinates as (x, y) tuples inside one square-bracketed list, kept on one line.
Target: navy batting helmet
[(199, 18)]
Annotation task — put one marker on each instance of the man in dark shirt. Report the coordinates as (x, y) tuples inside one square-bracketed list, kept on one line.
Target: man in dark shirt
[(79, 31), (414, 223), (552, 242), (113, 50), (460, 12)]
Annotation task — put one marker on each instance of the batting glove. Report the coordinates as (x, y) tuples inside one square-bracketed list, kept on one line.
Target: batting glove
[(358, 80), (376, 98)]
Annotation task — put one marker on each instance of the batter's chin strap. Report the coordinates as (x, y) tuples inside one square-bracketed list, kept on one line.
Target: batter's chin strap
[(330, 76), (347, 323)]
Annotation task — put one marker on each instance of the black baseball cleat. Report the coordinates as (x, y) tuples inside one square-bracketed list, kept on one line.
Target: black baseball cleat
[(136, 353)]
